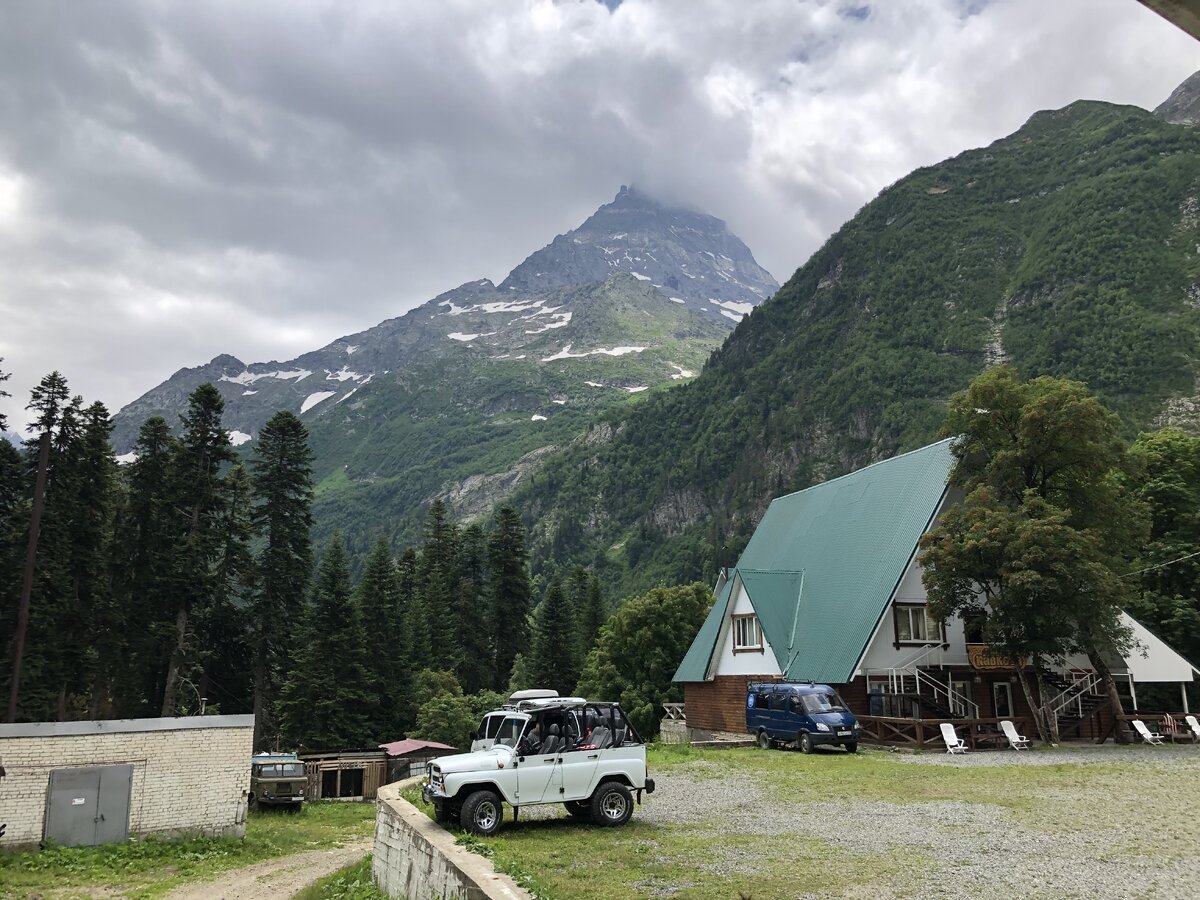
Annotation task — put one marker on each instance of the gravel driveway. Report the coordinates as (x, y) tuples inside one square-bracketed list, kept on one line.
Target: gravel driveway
[(1108, 822)]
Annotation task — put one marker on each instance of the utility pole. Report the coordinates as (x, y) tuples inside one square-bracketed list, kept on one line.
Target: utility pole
[(35, 527)]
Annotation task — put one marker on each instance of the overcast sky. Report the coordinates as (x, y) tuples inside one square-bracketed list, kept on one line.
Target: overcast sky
[(179, 180)]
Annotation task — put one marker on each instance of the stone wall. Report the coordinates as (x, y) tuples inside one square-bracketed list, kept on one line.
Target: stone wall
[(190, 775), (417, 859)]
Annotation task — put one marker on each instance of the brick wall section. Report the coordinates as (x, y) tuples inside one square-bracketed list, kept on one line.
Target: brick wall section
[(188, 780), (720, 704)]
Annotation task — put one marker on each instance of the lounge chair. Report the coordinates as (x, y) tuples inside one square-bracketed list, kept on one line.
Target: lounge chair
[(1194, 726), (1016, 741), (954, 744), (1147, 735)]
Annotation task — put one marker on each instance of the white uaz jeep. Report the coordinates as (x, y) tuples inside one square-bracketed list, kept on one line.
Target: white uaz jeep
[(582, 754)]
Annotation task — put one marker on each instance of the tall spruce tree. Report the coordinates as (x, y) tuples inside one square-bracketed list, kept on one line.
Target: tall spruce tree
[(283, 490), (552, 661), (199, 500), (327, 693), (388, 642), (509, 593), (408, 573), (439, 585), (470, 607)]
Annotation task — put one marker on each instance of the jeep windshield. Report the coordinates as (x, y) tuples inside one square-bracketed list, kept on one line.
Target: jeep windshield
[(822, 703), (281, 770), (510, 730)]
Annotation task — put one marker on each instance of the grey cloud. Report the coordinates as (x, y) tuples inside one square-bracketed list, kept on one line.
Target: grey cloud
[(181, 180)]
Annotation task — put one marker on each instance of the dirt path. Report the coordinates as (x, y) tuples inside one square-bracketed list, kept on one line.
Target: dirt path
[(274, 879)]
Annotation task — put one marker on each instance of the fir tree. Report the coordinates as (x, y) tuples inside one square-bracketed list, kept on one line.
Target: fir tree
[(326, 695), (419, 628), (387, 642), (203, 450), (282, 468), (508, 593), (477, 652), (552, 662), (438, 584)]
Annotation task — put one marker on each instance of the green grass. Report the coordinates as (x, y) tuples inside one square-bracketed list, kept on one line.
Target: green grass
[(560, 858), (353, 882), (149, 868)]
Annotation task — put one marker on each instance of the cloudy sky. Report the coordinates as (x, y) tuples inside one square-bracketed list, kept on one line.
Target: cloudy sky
[(179, 180)]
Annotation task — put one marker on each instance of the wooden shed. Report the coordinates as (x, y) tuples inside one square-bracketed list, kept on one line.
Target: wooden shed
[(345, 775)]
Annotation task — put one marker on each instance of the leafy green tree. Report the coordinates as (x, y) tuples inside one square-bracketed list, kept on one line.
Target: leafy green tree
[(640, 648), (1036, 550), (327, 693), (450, 718), (283, 491), (1166, 477), (509, 592)]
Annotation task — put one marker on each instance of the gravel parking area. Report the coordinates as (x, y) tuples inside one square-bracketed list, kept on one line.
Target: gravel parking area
[(1077, 821)]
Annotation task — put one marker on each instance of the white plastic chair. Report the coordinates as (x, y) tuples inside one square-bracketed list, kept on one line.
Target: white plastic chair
[(1016, 741), (1147, 735), (954, 744), (1193, 725)]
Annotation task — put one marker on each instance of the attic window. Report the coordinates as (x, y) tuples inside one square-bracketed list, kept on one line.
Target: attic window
[(747, 634)]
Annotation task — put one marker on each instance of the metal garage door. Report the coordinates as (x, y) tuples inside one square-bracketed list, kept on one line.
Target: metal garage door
[(89, 806)]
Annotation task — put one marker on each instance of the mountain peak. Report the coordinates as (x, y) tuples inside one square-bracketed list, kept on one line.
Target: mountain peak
[(1183, 106), (687, 255)]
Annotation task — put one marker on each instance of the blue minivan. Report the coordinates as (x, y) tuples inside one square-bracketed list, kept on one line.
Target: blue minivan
[(799, 715)]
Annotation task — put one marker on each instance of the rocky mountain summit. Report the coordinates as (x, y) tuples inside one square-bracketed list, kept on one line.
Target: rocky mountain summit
[(1183, 106), (636, 297)]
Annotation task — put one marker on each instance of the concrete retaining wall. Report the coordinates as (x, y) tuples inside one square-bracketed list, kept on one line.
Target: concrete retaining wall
[(190, 774), (417, 859)]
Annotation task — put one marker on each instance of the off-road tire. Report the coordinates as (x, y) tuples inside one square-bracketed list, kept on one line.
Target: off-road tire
[(252, 802), (806, 744), (764, 740), (482, 813), (612, 804), (579, 809), (852, 747)]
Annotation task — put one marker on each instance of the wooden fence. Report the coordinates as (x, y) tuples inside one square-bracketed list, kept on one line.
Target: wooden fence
[(980, 734)]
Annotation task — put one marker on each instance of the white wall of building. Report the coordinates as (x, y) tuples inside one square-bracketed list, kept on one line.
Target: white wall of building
[(730, 663)]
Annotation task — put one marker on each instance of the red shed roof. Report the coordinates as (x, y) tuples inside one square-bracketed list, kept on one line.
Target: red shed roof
[(403, 748)]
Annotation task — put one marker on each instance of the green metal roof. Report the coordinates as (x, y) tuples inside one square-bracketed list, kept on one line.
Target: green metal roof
[(695, 661), (824, 562)]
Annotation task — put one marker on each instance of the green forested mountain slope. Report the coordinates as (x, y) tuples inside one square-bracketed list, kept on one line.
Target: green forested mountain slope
[(1069, 248)]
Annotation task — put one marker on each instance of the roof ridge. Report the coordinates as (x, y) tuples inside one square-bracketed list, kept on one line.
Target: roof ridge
[(878, 462)]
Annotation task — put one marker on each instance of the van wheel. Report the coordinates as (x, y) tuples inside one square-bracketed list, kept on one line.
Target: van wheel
[(852, 747), (252, 802), (806, 744), (481, 813), (612, 804), (764, 740)]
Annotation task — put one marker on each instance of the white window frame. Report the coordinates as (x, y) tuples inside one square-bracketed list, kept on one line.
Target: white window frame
[(747, 628), (933, 630)]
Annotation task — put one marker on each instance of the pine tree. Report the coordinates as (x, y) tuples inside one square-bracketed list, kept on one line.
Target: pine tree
[(387, 641), (326, 695), (552, 662), (408, 572), (592, 617), (282, 468), (198, 493), (470, 609), (438, 585), (508, 593)]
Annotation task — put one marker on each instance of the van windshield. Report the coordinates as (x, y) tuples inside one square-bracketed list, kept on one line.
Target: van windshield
[(821, 703), (281, 770)]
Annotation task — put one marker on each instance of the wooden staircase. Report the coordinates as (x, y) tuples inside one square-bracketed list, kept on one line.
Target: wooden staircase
[(1078, 704)]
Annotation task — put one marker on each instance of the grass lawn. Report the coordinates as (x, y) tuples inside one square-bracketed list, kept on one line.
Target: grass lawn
[(354, 882), (766, 824), (150, 868)]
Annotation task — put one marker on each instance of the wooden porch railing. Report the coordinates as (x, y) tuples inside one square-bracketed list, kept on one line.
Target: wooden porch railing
[(1171, 725), (978, 733)]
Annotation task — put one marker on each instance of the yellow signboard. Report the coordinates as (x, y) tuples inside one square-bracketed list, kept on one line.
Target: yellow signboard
[(981, 656)]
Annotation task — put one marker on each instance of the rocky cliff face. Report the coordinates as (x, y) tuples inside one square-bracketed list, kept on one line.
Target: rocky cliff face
[(1183, 106)]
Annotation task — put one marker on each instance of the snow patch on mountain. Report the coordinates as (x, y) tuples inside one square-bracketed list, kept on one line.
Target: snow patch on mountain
[(743, 308), (737, 317), (537, 418), (681, 372), (561, 321), (249, 393), (237, 438), (313, 399), (350, 348), (459, 336), (249, 377), (565, 353), (343, 374), (639, 276), (126, 459), (637, 390)]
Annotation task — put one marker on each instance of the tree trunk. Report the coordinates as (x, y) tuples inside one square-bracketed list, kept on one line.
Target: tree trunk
[(1038, 718), (1050, 715), (1120, 734), (170, 701)]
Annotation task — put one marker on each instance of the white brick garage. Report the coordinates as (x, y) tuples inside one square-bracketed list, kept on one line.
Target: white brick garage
[(189, 775)]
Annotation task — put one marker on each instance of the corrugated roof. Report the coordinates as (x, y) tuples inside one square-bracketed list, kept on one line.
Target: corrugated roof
[(824, 562), (403, 748), (695, 662)]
